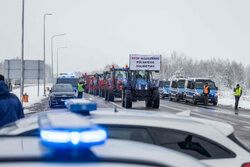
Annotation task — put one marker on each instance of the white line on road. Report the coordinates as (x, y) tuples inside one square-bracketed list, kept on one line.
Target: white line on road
[(197, 114), (117, 105)]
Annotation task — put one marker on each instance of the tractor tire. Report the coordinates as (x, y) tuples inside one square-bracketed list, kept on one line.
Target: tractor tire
[(123, 98), (156, 99), (215, 103), (128, 99), (148, 103), (106, 94), (110, 96)]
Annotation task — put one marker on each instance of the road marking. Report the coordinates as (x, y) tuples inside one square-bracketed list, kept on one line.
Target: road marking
[(172, 108), (212, 118), (201, 115), (246, 127), (117, 105)]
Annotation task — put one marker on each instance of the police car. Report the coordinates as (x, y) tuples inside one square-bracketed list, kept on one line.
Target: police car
[(177, 89), (212, 142), (163, 88), (194, 91), (67, 139)]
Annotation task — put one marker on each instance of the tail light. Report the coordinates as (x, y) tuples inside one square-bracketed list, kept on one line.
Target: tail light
[(246, 165)]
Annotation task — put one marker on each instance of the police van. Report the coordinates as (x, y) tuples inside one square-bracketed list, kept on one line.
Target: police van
[(193, 91), (177, 89)]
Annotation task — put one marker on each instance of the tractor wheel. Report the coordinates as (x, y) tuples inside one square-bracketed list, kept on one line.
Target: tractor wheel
[(123, 98), (110, 96), (148, 103), (128, 99), (106, 94), (156, 99)]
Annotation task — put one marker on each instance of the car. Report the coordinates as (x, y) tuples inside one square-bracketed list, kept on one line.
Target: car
[(79, 142), (59, 93), (193, 91), (177, 89), (212, 142), (163, 88)]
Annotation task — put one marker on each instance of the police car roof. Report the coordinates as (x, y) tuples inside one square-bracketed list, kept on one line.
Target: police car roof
[(27, 149)]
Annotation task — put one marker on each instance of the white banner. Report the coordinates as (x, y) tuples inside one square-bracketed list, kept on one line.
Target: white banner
[(145, 62)]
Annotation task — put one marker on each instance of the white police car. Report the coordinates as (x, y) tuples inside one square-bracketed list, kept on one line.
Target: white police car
[(209, 141), (67, 139)]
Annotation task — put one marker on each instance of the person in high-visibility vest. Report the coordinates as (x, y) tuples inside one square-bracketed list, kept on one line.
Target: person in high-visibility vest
[(206, 92), (237, 94), (80, 89)]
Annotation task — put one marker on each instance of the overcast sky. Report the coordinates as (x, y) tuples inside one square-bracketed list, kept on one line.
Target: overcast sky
[(105, 31)]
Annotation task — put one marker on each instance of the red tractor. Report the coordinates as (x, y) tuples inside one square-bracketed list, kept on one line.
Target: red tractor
[(113, 81)]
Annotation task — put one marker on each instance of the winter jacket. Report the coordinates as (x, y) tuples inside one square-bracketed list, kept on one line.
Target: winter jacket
[(10, 106)]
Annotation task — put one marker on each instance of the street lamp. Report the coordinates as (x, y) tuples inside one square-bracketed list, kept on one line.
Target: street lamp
[(52, 39), (57, 56), (44, 40), (22, 55)]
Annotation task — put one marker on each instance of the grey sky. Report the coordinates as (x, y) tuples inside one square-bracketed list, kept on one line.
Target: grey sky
[(106, 31)]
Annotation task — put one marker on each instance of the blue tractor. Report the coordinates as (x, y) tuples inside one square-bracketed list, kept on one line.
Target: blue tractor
[(139, 86)]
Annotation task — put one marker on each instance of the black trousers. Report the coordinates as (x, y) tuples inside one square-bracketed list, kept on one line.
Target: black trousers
[(237, 99), (79, 95), (206, 99)]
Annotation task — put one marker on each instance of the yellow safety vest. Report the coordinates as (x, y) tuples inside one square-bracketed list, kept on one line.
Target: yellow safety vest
[(237, 91), (80, 88)]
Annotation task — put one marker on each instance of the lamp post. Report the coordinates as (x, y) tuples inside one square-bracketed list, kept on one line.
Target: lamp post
[(44, 52), (22, 55), (57, 56), (52, 39)]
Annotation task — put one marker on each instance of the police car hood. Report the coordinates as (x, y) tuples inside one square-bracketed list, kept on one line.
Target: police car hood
[(62, 93), (4, 90)]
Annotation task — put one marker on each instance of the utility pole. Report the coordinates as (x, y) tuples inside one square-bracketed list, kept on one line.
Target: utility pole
[(44, 50), (22, 55)]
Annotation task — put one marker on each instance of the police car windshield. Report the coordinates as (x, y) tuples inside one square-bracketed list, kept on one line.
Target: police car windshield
[(62, 88), (201, 83), (120, 74), (72, 81), (164, 83), (181, 83)]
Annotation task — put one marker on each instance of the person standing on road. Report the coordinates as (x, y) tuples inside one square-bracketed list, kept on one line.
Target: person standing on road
[(80, 89), (10, 107), (206, 92), (237, 94)]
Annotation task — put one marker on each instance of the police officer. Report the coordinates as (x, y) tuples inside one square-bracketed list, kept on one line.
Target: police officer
[(10, 107), (206, 92), (80, 89), (237, 94)]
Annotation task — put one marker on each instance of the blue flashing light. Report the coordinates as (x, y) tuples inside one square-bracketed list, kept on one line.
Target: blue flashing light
[(66, 139), (80, 105)]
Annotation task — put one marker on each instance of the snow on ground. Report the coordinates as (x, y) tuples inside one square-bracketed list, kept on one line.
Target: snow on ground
[(32, 92), (226, 98)]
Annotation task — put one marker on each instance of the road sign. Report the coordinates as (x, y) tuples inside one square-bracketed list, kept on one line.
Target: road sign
[(33, 69), (145, 62)]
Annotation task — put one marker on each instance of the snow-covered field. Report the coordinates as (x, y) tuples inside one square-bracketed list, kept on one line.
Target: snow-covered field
[(32, 92), (226, 98)]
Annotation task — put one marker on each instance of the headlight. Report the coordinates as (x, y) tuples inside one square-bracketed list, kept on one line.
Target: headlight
[(197, 94)]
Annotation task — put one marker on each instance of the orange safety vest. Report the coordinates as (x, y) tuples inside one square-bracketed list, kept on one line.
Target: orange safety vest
[(206, 90)]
